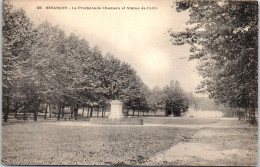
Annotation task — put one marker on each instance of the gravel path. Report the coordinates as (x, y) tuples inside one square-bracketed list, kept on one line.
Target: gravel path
[(227, 143)]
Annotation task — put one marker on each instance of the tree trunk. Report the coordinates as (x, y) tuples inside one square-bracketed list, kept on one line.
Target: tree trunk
[(35, 113), (59, 112), (239, 114), (7, 109), (250, 115), (76, 112), (102, 111), (15, 114), (25, 115), (62, 111), (166, 110), (98, 112), (253, 120), (82, 112), (91, 111), (16, 110), (25, 112), (246, 114), (138, 111), (88, 113), (50, 110), (71, 111), (45, 114), (133, 113), (36, 110)]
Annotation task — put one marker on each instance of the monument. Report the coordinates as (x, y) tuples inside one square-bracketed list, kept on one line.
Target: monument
[(116, 116), (116, 105), (116, 110)]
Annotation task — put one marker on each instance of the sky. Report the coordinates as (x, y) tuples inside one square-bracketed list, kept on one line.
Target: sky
[(138, 37)]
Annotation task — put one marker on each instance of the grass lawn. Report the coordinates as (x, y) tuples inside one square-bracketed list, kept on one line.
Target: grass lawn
[(53, 144)]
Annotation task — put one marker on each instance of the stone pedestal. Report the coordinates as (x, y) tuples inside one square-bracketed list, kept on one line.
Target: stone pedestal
[(116, 117), (116, 110)]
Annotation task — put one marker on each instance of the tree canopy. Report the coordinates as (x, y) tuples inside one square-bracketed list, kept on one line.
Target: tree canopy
[(223, 36), (43, 65)]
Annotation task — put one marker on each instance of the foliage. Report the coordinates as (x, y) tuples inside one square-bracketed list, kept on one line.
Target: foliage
[(43, 66), (172, 98), (223, 37), (60, 70), (16, 42), (175, 99)]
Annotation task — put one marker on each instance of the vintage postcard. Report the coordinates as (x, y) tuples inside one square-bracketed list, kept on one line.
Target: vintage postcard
[(129, 83)]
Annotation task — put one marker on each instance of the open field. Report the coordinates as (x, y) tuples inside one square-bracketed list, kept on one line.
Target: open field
[(213, 142)]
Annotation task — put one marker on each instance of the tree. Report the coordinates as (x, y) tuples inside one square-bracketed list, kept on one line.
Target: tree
[(223, 37), (45, 68), (42, 66), (175, 99), (155, 99), (17, 39)]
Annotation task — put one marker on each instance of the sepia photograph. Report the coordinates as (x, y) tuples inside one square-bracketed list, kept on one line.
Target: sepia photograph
[(129, 83)]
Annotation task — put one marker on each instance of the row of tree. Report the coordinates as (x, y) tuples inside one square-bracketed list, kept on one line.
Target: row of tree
[(224, 39), (42, 66)]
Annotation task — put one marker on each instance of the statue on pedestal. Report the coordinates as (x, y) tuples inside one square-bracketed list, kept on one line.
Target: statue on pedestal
[(114, 91), (116, 105)]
